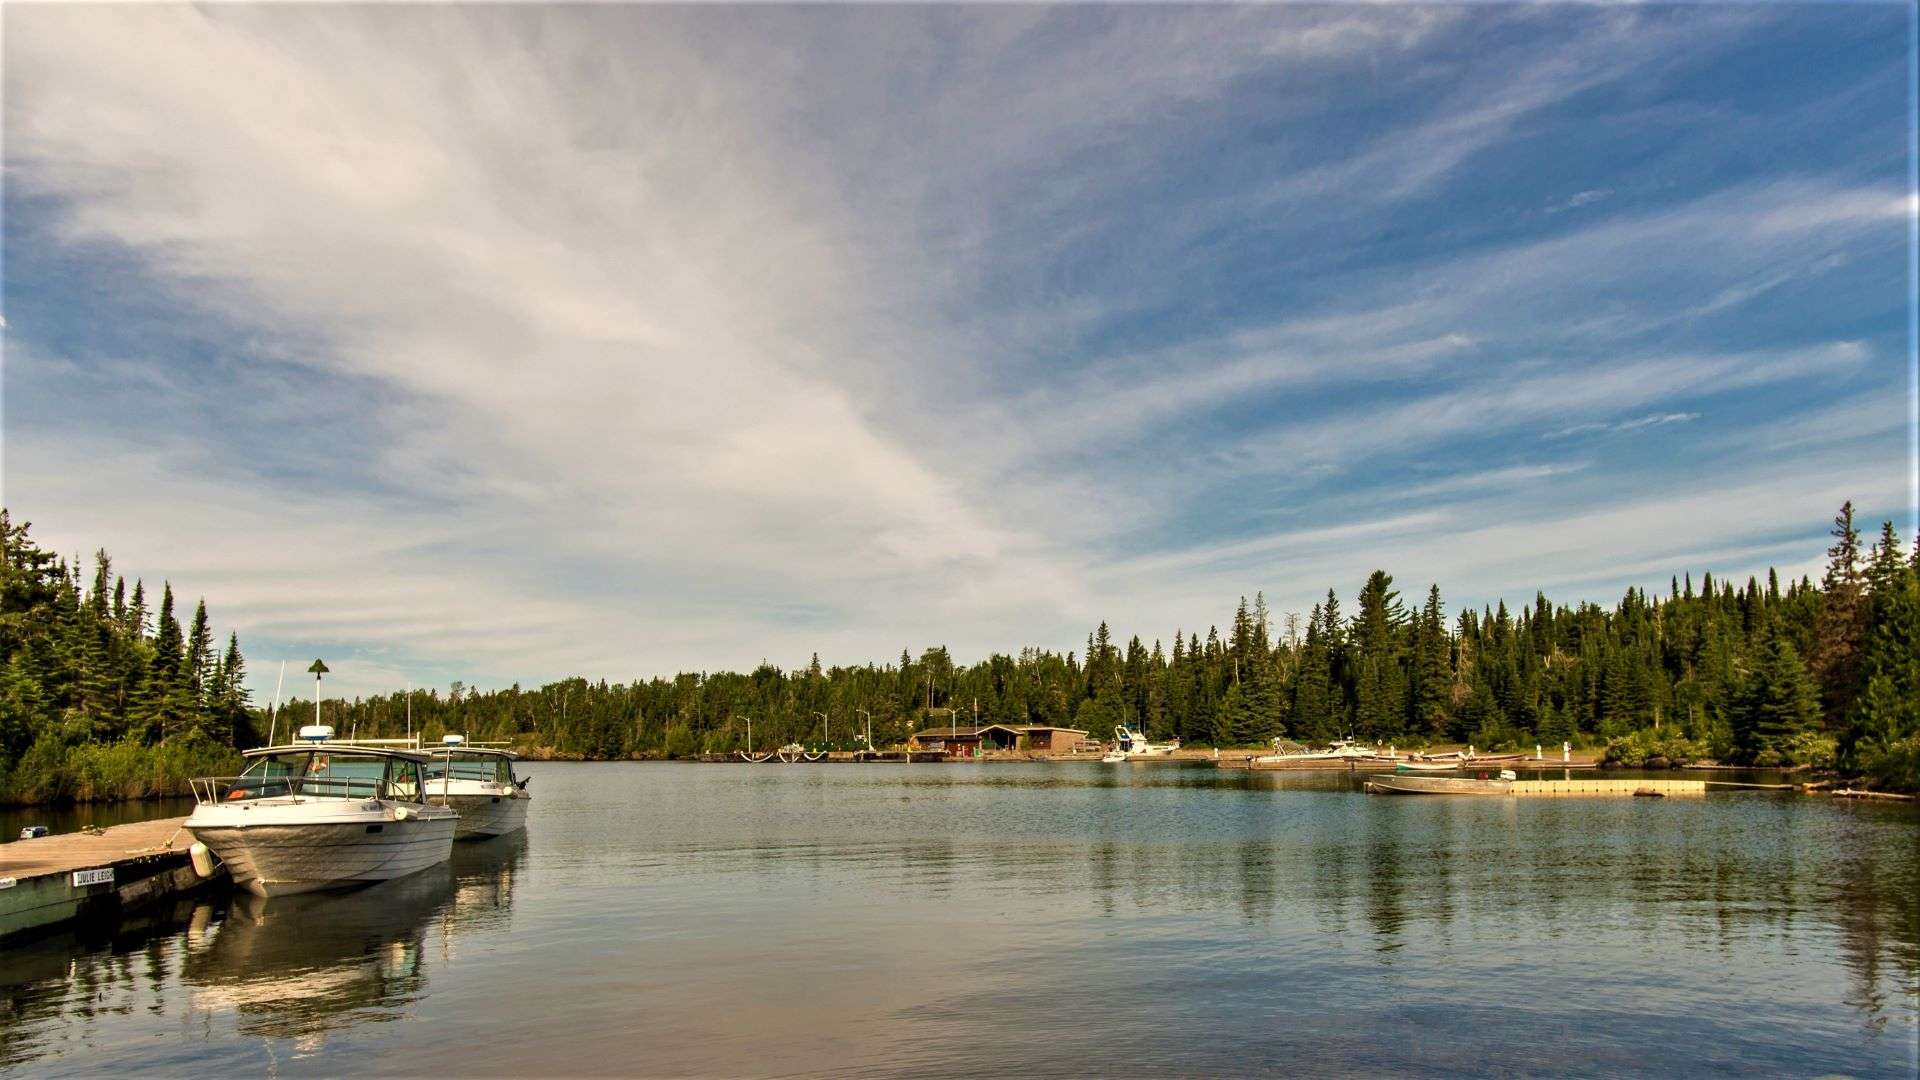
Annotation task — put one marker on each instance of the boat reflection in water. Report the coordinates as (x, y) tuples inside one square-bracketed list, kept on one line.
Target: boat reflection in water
[(298, 967)]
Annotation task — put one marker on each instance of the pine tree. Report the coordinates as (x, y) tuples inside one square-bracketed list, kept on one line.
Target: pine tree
[(136, 624), (1882, 736), (1886, 566), (198, 666), (1433, 677), (160, 704), (98, 598), (1778, 704), (1841, 631), (1313, 717)]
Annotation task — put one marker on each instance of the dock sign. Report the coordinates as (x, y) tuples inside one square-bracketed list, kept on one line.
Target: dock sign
[(101, 876)]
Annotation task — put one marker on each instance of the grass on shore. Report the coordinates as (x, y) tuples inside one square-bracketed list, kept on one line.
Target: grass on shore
[(54, 771)]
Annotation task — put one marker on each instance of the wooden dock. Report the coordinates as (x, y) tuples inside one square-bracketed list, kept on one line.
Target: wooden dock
[(53, 880)]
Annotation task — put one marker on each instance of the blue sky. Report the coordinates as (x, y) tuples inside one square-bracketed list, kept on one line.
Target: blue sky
[(494, 344)]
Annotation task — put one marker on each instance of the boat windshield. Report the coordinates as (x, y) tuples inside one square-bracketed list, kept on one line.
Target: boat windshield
[(327, 773), (478, 767)]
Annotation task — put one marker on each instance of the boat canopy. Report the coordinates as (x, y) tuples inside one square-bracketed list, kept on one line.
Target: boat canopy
[(441, 753), (337, 749)]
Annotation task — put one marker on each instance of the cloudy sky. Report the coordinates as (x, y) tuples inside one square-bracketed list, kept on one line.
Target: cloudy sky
[(492, 343)]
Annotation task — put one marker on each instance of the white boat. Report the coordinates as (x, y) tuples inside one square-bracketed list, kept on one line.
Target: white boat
[(1131, 745), (1341, 750), (477, 780), (1454, 765), (321, 815)]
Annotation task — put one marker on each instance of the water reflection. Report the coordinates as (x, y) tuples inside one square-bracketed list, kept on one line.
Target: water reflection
[(299, 966), (889, 920), (292, 968)]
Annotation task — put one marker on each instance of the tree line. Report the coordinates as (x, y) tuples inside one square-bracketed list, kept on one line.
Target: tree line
[(94, 680), (1823, 673), (1762, 672)]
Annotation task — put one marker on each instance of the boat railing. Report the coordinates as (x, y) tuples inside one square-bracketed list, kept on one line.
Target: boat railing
[(214, 790), (411, 742)]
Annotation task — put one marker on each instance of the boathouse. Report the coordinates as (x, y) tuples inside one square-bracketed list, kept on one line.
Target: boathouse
[(966, 742), (962, 742), (1042, 739)]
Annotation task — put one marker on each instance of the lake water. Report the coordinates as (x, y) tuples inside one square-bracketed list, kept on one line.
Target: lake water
[(1023, 920)]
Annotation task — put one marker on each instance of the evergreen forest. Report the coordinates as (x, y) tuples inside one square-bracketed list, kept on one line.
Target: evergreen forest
[(105, 693)]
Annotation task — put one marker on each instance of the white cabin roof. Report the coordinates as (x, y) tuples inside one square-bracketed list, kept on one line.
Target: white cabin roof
[(438, 753), (336, 748)]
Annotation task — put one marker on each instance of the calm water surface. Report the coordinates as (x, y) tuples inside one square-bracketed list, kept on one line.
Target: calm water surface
[(1035, 919)]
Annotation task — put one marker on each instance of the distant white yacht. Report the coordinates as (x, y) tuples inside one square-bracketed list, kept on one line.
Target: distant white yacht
[(1130, 745), (1339, 750)]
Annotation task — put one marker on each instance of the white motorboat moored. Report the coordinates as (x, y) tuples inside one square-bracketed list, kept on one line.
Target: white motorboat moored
[(1341, 750), (477, 780), (1130, 745), (321, 815)]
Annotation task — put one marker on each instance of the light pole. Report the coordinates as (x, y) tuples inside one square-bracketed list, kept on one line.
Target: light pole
[(749, 736), (869, 717), (823, 726), (318, 669)]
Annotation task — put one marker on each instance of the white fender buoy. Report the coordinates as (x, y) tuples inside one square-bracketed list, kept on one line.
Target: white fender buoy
[(202, 859), (401, 813)]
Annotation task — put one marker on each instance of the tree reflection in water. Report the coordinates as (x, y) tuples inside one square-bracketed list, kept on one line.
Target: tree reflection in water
[(754, 920)]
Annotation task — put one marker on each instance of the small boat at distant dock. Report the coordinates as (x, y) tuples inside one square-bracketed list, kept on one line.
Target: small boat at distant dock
[(1440, 785)]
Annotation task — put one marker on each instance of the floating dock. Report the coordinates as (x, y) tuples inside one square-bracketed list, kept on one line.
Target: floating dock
[(52, 880), (1450, 785), (1609, 787)]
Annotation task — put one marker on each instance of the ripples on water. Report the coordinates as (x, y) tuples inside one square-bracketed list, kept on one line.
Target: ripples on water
[(1035, 919)]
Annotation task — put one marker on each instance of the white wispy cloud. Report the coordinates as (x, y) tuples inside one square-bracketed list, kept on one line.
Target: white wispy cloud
[(1579, 199), (1649, 420), (646, 338)]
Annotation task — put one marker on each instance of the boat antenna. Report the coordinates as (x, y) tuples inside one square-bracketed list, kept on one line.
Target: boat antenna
[(273, 714), (409, 708)]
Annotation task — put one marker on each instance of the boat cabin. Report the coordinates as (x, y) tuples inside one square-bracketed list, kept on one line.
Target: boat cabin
[(320, 770), (458, 759)]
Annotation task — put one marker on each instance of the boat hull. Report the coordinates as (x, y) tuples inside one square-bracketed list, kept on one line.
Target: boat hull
[(484, 816), (281, 859), (1437, 785)]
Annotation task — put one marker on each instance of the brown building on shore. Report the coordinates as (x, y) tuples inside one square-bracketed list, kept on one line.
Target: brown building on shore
[(1053, 740), (966, 742)]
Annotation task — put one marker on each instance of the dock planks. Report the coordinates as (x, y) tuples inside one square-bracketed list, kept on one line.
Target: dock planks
[(136, 864), (66, 852)]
